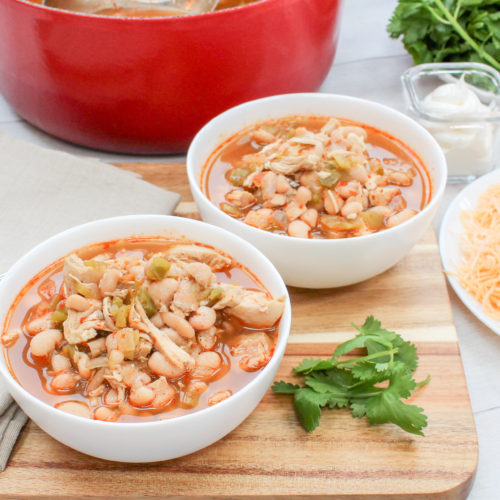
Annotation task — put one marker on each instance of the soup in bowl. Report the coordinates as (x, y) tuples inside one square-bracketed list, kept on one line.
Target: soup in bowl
[(149, 333), (333, 189)]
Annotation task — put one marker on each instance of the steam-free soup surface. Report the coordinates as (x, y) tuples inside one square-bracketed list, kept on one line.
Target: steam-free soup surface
[(121, 9), (316, 177), (140, 330)]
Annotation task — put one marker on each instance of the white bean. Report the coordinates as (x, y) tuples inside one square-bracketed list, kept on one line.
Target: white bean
[(44, 342), (75, 408), (180, 325), (141, 396), (299, 229), (60, 363), (207, 363), (106, 414), (310, 217), (400, 217), (77, 303), (64, 381), (82, 363), (303, 195), (161, 366), (109, 281), (203, 318), (351, 209), (39, 324), (157, 321)]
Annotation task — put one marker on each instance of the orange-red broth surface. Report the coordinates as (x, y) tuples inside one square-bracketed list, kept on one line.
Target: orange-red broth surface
[(39, 295), (384, 150)]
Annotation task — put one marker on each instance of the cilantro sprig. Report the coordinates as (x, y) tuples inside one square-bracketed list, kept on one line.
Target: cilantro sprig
[(371, 385), (449, 30)]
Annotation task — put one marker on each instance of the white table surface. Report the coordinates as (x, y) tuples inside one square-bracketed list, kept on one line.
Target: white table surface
[(368, 64)]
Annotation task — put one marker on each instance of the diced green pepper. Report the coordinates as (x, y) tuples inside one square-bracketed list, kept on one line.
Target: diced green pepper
[(69, 351), (127, 341), (158, 268), (215, 295), (342, 161), (116, 303), (98, 265), (337, 223), (87, 291), (230, 210), (332, 179), (121, 317), (237, 176), (59, 315), (147, 302), (373, 220)]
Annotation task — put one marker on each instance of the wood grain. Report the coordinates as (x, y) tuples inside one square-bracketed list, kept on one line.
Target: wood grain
[(270, 455)]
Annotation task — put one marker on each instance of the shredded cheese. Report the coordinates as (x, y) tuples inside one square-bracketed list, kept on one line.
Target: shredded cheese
[(479, 270)]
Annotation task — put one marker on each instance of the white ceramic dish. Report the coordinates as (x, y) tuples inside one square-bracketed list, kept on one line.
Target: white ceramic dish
[(322, 263), (148, 441), (449, 242)]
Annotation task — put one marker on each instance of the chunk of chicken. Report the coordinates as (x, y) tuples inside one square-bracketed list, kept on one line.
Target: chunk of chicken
[(82, 326), (254, 349), (186, 297), (257, 310), (74, 266), (162, 342), (240, 198), (162, 291), (201, 273), (232, 295), (188, 253)]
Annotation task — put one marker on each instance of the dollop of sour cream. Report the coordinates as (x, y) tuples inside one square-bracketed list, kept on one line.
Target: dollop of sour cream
[(468, 146)]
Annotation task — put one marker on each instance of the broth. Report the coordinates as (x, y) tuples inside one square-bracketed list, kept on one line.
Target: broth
[(36, 374), (142, 11), (226, 174)]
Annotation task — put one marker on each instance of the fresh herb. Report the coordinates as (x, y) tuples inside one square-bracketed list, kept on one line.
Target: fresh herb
[(358, 383), (449, 30)]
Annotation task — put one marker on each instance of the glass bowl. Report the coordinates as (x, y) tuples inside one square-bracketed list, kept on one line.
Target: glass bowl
[(459, 104)]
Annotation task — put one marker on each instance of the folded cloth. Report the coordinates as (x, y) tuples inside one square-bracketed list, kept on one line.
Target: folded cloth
[(43, 192)]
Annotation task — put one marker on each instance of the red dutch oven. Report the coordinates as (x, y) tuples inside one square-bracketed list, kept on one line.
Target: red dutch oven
[(146, 86)]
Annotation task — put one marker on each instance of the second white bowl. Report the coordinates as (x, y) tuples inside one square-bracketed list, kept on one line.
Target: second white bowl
[(330, 262)]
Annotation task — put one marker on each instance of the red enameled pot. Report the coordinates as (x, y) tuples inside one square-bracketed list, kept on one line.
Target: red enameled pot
[(146, 86)]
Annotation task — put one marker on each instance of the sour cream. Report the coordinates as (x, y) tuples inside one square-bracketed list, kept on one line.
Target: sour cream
[(468, 141)]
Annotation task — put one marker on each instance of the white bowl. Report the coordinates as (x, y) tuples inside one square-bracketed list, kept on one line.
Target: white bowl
[(322, 263), (148, 441)]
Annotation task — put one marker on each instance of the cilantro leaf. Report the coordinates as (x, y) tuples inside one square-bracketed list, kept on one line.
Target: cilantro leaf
[(284, 387), (324, 383), (386, 407), (356, 381), (308, 405), (311, 364), (358, 409)]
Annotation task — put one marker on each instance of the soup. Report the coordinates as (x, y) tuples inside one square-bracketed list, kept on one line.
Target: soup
[(316, 177), (114, 9), (138, 330)]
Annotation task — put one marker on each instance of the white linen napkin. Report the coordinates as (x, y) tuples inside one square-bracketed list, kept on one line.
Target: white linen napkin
[(43, 192)]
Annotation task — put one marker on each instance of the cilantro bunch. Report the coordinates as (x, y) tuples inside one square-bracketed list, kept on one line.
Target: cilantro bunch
[(449, 30), (372, 385)]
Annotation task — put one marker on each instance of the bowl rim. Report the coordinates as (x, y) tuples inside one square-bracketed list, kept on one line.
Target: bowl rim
[(199, 138), (101, 18), (280, 346)]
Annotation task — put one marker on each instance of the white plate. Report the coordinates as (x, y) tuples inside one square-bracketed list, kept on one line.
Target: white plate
[(449, 241)]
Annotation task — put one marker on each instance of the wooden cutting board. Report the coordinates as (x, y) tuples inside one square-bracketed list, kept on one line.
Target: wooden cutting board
[(270, 454)]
